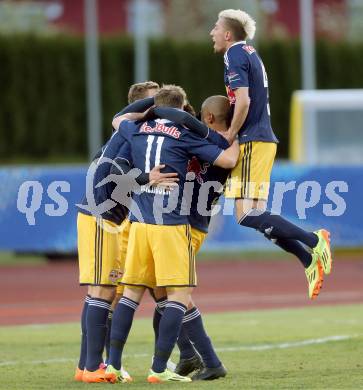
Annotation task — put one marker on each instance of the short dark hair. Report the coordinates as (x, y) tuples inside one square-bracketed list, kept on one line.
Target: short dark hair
[(189, 109), (138, 91), (170, 96), (219, 106)]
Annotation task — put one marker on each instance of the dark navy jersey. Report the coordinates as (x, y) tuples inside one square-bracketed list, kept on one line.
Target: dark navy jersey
[(244, 68), (203, 193), (100, 169), (163, 142)]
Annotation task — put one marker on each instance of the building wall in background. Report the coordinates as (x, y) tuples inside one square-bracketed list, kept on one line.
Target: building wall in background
[(184, 19), (283, 19), (112, 16)]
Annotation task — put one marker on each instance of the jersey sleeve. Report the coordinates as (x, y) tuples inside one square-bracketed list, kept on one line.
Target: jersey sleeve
[(183, 118), (237, 68), (218, 139), (201, 148), (127, 129), (137, 106), (124, 153)]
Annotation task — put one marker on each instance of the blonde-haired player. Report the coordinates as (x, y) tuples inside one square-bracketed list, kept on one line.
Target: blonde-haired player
[(142, 90), (101, 249), (246, 82)]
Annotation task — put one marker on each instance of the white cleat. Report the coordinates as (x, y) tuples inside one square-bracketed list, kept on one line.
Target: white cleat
[(126, 375)]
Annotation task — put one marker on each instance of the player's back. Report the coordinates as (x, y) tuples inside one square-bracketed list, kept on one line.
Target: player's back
[(98, 171), (163, 142)]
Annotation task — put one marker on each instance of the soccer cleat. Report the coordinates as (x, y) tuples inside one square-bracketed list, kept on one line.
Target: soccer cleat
[(314, 274), (170, 365), (118, 376), (186, 366), (209, 374), (126, 375), (97, 376), (166, 376), (78, 375), (323, 250)]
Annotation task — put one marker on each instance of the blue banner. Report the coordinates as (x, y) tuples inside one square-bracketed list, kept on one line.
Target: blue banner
[(38, 213), (315, 197)]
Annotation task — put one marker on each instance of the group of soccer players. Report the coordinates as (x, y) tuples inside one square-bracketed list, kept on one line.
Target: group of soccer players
[(145, 226)]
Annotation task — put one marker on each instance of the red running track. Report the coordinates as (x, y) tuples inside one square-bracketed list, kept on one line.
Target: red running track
[(50, 293)]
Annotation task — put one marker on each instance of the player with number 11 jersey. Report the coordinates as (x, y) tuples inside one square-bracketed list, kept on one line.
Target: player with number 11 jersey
[(160, 251)]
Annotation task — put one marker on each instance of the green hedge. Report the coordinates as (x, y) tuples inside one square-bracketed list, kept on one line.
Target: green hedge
[(42, 100)]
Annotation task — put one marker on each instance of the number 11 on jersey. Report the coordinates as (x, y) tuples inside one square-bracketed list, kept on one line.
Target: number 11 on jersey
[(150, 142)]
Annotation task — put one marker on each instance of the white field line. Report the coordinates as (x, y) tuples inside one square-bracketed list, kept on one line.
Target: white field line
[(294, 344), (293, 298), (258, 347), (247, 322)]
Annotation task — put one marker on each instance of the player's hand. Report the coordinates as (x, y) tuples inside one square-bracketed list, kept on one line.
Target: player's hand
[(228, 135), (134, 116), (166, 180), (166, 185), (148, 115)]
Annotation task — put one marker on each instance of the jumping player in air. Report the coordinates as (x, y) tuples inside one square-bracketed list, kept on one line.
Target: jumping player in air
[(246, 82)]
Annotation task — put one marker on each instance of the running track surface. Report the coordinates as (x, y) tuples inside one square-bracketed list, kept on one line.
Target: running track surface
[(50, 293)]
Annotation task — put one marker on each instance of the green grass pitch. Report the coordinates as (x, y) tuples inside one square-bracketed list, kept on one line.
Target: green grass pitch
[(309, 348)]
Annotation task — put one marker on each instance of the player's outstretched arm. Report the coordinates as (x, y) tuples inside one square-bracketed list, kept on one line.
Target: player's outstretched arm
[(137, 106), (229, 157), (132, 116), (182, 118)]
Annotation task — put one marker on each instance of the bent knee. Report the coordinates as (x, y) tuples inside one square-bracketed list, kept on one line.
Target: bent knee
[(115, 301), (135, 293), (104, 292), (180, 294), (159, 292), (245, 206)]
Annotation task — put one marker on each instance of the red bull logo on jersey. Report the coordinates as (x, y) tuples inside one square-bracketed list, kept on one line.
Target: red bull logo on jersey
[(248, 49), (231, 95), (160, 128), (198, 169)]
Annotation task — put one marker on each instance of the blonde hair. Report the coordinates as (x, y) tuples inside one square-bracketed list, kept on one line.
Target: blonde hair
[(170, 95), (138, 91), (244, 21)]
